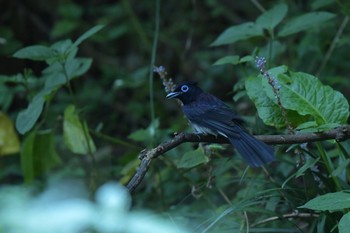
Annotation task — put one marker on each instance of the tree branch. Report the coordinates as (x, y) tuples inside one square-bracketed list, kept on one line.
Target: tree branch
[(146, 156)]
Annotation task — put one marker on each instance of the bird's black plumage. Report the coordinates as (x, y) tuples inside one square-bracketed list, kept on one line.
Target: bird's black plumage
[(209, 115)]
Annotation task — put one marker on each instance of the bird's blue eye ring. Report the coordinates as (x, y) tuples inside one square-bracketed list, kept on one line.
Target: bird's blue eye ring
[(184, 88)]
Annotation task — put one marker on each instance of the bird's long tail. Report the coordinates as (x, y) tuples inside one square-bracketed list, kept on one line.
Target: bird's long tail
[(253, 151)]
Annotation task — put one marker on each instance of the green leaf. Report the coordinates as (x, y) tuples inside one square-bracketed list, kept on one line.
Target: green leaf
[(268, 110), (77, 67), (64, 26), (341, 168), (305, 94), (45, 154), (27, 160), (35, 52), (317, 4), (344, 223), (61, 47), (192, 158), (309, 164), (76, 133), (329, 201), (145, 135), (304, 22), (234, 60), (27, 118), (271, 18), (239, 32), (38, 155), (87, 34)]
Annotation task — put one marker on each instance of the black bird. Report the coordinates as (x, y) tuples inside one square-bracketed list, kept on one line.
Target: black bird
[(209, 115)]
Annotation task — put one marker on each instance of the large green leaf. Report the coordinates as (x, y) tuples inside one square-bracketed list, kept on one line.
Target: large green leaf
[(268, 110), (271, 18), (76, 133), (344, 223), (329, 201), (304, 22), (238, 32), (305, 94)]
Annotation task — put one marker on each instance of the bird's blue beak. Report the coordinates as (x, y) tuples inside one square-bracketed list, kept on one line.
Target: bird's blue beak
[(172, 95)]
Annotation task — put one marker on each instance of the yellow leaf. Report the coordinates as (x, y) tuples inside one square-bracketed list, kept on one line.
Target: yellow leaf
[(9, 142)]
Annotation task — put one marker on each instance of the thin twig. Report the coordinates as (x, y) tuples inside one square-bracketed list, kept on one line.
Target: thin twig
[(146, 156), (290, 215), (334, 43)]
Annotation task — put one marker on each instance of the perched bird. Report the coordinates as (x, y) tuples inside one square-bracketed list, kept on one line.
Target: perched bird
[(209, 115)]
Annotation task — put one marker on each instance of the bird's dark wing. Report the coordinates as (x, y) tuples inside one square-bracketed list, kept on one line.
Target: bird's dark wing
[(210, 112)]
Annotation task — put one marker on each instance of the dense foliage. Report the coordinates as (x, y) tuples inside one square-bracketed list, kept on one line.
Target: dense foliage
[(79, 101)]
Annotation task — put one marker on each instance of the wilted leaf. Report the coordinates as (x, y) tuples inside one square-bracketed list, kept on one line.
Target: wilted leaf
[(9, 142), (76, 133)]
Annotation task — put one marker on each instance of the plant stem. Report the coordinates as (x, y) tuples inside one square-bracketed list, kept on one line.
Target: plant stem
[(153, 58)]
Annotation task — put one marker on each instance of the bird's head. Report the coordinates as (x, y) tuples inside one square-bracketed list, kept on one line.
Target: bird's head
[(186, 92)]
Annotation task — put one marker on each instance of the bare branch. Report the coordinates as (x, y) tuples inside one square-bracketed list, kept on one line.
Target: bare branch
[(146, 156)]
